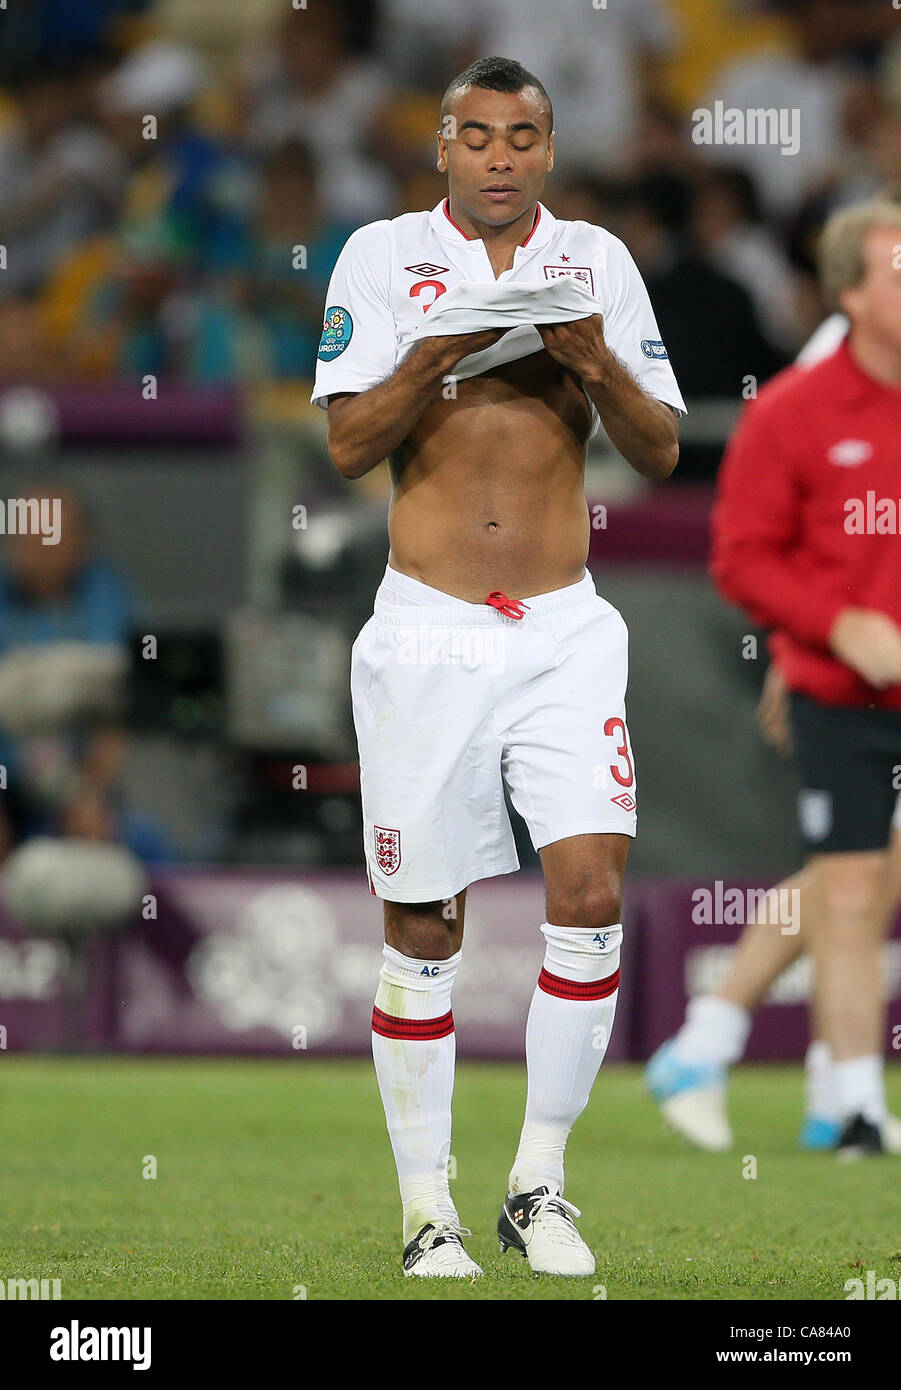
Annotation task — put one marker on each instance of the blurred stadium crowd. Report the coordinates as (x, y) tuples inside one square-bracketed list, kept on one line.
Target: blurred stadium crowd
[(177, 178), (167, 247)]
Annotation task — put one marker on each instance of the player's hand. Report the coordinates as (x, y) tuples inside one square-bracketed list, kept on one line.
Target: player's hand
[(870, 643), (772, 712), (579, 345), (447, 351)]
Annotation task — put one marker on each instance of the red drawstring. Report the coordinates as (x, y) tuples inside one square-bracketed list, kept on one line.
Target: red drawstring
[(510, 607)]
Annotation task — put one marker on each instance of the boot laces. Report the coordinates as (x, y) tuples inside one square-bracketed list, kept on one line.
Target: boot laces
[(556, 1216)]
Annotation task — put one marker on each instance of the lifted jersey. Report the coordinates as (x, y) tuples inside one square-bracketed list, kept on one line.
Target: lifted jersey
[(390, 273)]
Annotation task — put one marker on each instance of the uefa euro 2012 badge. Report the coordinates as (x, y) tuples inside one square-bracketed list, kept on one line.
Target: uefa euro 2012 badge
[(337, 330)]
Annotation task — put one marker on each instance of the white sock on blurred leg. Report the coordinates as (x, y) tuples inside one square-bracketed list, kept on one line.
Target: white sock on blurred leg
[(714, 1031), (820, 1096), (860, 1088)]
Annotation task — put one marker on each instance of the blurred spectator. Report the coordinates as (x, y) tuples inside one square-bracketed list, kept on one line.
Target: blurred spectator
[(182, 176), (65, 620), (596, 64), (282, 264), (309, 86), (730, 231), (424, 43), (45, 31), (60, 178), (817, 80), (706, 319), (660, 144)]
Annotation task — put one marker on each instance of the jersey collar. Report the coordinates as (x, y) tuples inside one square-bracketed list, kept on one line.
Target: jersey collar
[(446, 228)]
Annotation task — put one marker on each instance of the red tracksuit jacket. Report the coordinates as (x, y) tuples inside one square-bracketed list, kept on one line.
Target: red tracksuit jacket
[(808, 518)]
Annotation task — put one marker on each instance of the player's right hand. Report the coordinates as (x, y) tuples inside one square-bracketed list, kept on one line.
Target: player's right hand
[(870, 643), (456, 346)]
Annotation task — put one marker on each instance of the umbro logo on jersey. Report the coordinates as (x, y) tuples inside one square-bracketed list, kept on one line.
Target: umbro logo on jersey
[(849, 453), (426, 268)]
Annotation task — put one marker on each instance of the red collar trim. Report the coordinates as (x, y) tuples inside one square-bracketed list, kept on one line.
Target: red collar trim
[(534, 225), (451, 220), (469, 238)]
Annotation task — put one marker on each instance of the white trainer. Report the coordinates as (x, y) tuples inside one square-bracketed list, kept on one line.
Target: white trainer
[(437, 1252), (699, 1114), (540, 1226), (891, 1134)]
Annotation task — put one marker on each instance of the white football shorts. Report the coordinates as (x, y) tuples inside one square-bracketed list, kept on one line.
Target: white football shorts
[(452, 700)]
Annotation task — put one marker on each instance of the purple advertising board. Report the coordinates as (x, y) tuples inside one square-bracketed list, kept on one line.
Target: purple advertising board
[(269, 963), (272, 963)]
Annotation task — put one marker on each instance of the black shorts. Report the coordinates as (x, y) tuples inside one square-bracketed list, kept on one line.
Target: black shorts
[(849, 760)]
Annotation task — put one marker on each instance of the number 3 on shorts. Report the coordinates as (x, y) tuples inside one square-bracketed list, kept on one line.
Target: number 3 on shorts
[(614, 726)]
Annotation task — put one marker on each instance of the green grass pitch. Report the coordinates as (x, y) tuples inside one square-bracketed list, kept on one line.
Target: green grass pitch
[(275, 1175)]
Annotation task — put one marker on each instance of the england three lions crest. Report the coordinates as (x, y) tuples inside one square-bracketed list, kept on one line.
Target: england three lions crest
[(575, 272), (387, 849)]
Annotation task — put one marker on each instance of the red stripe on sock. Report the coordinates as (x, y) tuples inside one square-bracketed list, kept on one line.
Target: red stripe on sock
[(578, 989), (424, 1029)]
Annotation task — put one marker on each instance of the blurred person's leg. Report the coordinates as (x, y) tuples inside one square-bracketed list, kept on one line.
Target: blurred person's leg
[(688, 1073), (846, 944), (764, 951), (848, 812)]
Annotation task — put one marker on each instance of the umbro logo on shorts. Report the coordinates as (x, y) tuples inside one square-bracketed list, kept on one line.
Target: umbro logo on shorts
[(627, 802)]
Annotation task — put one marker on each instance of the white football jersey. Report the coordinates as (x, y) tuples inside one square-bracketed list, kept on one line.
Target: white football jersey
[(390, 273)]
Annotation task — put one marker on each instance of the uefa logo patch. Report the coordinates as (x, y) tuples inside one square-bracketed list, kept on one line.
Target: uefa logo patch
[(654, 348), (337, 331)]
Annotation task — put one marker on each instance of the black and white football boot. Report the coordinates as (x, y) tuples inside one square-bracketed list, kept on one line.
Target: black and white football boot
[(860, 1138), (437, 1252), (539, 1224)]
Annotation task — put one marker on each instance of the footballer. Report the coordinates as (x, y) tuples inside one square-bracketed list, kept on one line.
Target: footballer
[(486, 432)]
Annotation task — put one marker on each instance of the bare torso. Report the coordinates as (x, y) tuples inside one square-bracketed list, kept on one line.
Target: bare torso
[(489, 488)]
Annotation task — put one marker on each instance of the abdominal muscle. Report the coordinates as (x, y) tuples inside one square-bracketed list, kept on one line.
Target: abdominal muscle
[(489, 488)]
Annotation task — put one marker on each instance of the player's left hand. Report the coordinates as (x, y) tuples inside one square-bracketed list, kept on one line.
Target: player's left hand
[(579, 345)]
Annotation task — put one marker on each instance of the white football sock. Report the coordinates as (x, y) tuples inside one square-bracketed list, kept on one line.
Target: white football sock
[(860, 1088), (569, 1026), (819, 1082), (413, 1047), (714, 1031)]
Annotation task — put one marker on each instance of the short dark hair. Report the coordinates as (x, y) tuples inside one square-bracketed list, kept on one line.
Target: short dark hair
[(496, 75)]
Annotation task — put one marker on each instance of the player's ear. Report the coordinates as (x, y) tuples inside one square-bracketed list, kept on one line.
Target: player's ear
[(550, 152), (441, 163)]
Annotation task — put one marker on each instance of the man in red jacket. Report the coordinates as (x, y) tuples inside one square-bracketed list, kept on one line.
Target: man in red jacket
[(807, 539)]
